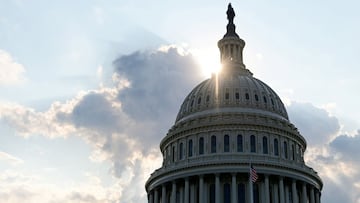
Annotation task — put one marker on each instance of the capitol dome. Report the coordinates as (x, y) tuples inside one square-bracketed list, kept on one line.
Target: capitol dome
[(227, 126), (240, 92)]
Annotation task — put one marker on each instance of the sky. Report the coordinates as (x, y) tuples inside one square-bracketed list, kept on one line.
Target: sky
[(88, 88)]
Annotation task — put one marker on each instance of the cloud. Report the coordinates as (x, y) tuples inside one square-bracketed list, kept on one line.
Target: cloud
[(123, 123), (10, 159), (339, 167), (159, 82), (18, 186), (347, 147), (315, 124), (11, 72), (332, 155)]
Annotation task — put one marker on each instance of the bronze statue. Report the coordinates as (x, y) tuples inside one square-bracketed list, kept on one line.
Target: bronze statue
[(230, 14)]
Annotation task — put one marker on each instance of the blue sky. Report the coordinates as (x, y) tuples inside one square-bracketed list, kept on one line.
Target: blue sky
[(88, 88)]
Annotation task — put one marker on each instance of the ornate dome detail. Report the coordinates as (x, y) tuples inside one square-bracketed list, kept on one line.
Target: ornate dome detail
[(227, 92)]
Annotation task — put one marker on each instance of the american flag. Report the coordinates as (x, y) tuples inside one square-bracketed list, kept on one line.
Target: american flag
[(253, 174)]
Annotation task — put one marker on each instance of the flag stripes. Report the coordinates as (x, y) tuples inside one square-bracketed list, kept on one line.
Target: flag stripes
[(253, 174)]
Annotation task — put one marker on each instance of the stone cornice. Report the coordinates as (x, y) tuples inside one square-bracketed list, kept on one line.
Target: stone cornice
[(225, 164)]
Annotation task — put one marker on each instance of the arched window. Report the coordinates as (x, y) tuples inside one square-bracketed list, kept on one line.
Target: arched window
[(285, 150), (265, 145), (227, 197), (276, 147), (237, 95), (226, 143), (173, 153), (181, 151), (190, 148), (199, 100), (252, 143), (227, 96), (239, 143), (207, 98), (201, 145), (247, 96), (213, 144), (256, 97), (293, 151)]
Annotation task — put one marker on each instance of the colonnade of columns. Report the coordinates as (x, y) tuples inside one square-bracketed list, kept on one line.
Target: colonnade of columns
[(224, 188)]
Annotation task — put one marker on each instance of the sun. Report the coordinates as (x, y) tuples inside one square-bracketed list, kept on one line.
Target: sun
[(209, 61)]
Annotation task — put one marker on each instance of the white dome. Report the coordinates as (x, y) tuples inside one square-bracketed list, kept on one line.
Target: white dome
[(236, 92)]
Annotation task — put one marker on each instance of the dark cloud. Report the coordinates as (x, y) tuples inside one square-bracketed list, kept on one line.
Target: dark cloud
[(159, 83), (95, 111), (315, 124), (348, 147)]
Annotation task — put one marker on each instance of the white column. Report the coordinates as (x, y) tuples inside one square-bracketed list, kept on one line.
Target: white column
[(181, 195), (262, 192), (294, 191), (287, 195), (186, 198), (206, 192), (156, 196), (233, 188), (251, 191), (163, 194), (173, 193), (276, 193), (304, 195), (312, 197), (217, 188), (151, 200), (201, 189), (317, 199), (192, 193), (267, 193), (281, 187)]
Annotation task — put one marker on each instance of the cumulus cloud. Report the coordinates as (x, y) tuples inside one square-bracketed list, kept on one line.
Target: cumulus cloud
[(339, 167), (123, 123), (315, 124), (158, 82), (11, 72), (332, 155), (347, 147)]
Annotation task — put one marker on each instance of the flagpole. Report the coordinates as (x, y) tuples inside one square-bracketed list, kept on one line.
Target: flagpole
[(251, 195)]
